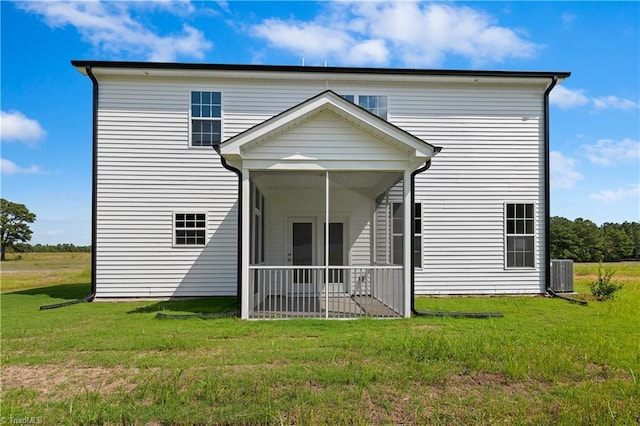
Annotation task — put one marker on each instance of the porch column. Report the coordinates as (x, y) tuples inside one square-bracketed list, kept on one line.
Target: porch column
[(407, 211), (246, 238), (326, 243)]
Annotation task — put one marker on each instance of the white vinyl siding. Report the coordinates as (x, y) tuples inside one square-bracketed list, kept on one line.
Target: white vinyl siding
[(145, 172), (492, 151), (492, 139), (323, 137)]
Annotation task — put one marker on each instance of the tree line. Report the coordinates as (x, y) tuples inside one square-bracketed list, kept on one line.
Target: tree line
[(48, 248), (583, 241)]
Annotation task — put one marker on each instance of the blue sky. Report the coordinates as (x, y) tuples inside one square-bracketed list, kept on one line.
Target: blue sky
[(46, 104)]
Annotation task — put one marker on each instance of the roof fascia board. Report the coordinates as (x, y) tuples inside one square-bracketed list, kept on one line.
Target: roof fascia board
[(305, 72)]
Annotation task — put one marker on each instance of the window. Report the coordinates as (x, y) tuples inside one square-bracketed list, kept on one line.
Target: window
[(206, 121), (520, 235), (257, 226), (190, 229), (397, 232), (374, 104)]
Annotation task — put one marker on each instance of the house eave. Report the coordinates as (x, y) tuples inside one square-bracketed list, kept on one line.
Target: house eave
[(294, 72)]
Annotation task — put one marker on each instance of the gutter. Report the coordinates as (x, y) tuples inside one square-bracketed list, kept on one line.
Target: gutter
[(94, 200), (414, 311)]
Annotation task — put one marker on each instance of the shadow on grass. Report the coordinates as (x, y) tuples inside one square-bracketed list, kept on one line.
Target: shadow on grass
[(62, 291), (201, 305)]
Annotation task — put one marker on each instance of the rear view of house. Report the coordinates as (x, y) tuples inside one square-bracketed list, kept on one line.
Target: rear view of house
[(318, 191)]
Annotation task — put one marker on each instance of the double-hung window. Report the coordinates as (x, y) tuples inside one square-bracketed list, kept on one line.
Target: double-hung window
[(520, 235), (397, 231), (190, 229), (375, 104), (206, 118)]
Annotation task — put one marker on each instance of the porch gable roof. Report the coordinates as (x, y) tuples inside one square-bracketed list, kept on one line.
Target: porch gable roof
[(328, 101)]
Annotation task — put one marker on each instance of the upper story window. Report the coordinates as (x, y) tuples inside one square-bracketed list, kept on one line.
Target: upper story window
[(520, 235), (377, 105), (206, 118)]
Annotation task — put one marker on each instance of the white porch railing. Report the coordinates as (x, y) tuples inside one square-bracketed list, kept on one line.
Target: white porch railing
[(347, 291)]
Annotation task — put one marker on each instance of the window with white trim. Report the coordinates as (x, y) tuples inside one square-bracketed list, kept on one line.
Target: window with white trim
[(206, 118), (397, 219), (520, 235), (190, 229), (257, 226), (375, 104)]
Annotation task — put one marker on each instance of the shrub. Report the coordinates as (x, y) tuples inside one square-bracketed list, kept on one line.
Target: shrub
[(603, 288)]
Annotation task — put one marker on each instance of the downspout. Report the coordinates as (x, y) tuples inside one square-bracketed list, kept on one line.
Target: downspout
[(547, 199), (94, 200), (414, 311), (229, 167), (547, 190)]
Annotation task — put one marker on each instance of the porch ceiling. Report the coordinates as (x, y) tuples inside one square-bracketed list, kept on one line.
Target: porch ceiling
[(370, 184)]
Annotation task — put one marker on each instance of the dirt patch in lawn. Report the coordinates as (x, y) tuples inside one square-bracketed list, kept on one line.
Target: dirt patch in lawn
[(61, 381)]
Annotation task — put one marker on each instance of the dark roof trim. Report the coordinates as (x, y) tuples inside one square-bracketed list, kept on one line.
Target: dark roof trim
[(316, 69), (436, 149)]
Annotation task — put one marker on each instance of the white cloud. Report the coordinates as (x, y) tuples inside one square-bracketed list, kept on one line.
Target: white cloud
[(110, 27), (415, 34), (609, 195), (565, 98), (568, 20), (10, 168), (15, 126), (608, 152), (307, 39), (563, 171), (614, 102)]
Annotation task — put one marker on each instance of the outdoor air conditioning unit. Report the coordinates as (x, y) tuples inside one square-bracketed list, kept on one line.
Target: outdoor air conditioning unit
[(562, 276)]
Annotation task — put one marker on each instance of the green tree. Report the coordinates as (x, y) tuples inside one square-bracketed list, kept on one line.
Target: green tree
[(14, 224), (564, 240), (617, 244), (591, 242), (633, 231)]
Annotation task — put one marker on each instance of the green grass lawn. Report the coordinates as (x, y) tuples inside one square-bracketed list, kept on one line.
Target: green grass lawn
[(546, 362)]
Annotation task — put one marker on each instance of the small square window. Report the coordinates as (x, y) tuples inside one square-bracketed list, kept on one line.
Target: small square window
[(190, 229)]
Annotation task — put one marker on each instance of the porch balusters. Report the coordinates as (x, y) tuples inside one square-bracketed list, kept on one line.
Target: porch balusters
[(300, 292)]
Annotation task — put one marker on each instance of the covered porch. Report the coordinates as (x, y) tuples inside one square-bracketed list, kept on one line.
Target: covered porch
[(325, 231)]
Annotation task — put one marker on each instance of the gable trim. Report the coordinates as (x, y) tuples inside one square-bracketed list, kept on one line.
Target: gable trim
[(333, 103)]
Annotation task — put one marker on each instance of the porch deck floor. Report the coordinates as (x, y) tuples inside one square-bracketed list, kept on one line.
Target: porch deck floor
[(343, 306)]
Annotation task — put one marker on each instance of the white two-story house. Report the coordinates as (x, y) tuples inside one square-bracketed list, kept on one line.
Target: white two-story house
[(318, 191)]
